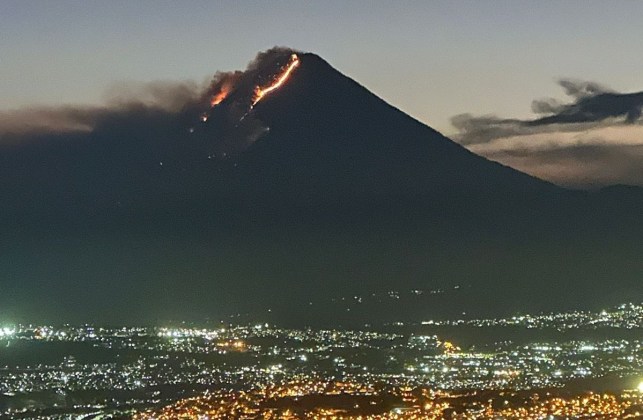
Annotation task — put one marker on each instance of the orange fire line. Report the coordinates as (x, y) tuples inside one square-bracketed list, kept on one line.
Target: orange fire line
[(261, 92)]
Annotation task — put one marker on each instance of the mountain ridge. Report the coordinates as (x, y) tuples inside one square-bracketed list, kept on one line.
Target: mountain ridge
[(326, 189)]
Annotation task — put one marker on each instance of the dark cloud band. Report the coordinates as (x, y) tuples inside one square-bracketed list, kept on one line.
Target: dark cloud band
[(595, 139)]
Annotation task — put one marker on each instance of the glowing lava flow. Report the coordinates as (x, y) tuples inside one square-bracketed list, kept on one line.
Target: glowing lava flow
[(261, 92)]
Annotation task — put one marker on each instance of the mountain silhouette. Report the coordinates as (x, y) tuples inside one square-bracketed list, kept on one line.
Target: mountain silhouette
[(275, 207), (329, 134)]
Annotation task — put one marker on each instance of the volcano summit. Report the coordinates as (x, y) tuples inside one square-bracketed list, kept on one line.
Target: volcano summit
[(279, 188)]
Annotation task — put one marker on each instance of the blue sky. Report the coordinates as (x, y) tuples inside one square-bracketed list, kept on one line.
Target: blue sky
[(431, 59)]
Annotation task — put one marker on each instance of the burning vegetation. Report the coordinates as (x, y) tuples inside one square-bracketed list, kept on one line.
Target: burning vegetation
[(247, 87), (215, 121), (227, 120), (260, 92)]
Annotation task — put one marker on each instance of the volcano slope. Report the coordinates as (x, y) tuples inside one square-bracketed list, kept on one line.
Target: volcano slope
[(273, 205)]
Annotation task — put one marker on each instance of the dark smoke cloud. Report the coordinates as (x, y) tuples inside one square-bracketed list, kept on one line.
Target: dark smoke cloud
[(47, 119), (592, 104), (597, 108), (474, 130), (170, 98), (579, 89), (547, 106), (555, 145), (133, 108)]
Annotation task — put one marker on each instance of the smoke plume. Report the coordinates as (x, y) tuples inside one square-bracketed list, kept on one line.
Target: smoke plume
[(217, 116)]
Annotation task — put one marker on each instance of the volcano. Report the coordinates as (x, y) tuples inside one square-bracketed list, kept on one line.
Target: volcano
[(323, 137), (316, 136), (330, 136), (280, 189)]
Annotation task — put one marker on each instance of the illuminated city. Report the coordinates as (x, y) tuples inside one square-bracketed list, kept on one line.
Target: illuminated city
[(592, 363)]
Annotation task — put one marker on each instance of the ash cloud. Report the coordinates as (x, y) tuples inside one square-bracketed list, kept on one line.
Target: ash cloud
[(556, 145)]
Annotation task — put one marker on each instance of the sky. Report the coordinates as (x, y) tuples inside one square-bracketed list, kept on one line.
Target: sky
[(434, 60)]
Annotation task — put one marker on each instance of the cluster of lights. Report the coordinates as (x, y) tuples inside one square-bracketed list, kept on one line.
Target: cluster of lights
[(626, 316), (253, 358), (289, 400), (7, 332)]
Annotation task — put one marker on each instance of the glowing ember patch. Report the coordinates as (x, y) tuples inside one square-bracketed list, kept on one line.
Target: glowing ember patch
[(260, 92), (219, 97)]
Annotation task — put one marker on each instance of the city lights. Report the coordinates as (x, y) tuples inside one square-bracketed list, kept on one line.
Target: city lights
[(393, 371)]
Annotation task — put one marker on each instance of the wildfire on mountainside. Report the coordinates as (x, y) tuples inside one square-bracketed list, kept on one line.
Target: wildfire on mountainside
[(219, 97), (260, 92), (226, 83)]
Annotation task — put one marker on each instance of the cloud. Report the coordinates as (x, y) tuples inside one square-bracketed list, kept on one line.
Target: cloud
[(580, 165), (596, 139), (581, 88), (597, 108)]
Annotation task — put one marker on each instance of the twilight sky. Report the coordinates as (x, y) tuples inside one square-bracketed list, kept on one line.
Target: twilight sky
[(434, 60)]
